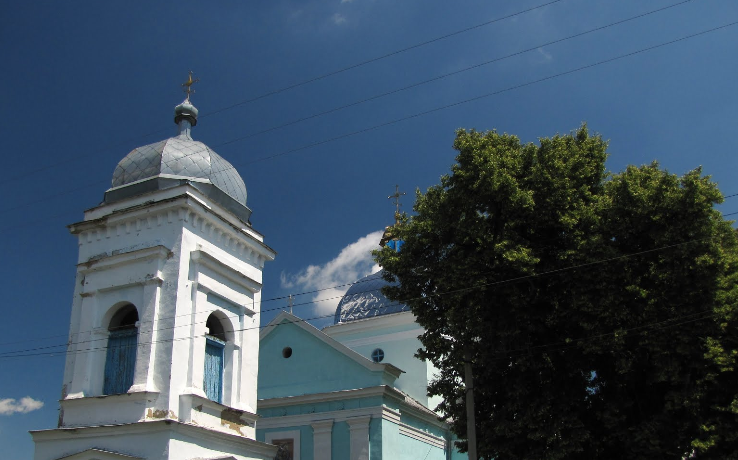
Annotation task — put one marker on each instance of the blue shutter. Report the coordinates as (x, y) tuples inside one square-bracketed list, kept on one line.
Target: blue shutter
[(213, 378), (120, 362)]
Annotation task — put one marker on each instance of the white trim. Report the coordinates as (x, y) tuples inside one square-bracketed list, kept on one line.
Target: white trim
[(99, 454), (293, 434), (123, 258), (374, 322), (322, 439), (420, 435), (314, 398), (181, 201), (411, 334), (197, 432), (214, 263), (359, 437)]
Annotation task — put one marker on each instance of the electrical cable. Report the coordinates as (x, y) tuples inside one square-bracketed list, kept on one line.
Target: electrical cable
[(387, 94), (491, 283), (296, 85), (446, 75)]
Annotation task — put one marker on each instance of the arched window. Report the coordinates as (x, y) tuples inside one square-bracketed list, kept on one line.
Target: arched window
[(215, 340), (120, 361)]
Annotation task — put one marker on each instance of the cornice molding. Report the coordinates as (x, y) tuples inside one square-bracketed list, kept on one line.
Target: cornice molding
[(116, 259), (369, 324), (187, 206)]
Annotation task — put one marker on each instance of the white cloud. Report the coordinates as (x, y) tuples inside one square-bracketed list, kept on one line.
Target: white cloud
[(12, 406), (352, 262), (346, 1), (338, 19)]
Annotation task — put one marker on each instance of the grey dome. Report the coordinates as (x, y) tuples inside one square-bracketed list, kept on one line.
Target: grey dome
[(365, 300), (182, 158)]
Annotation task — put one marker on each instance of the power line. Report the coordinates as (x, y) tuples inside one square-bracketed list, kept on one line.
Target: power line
[(297, 85), (414, 85), (662, 324), (379, 58), (455, 291), (487, 95), (446, 75)]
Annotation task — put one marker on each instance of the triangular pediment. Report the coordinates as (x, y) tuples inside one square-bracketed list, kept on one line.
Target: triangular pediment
[(99, 454), (315, 362)]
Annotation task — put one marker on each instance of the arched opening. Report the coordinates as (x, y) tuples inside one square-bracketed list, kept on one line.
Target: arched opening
[(215, 342), (120, 360)]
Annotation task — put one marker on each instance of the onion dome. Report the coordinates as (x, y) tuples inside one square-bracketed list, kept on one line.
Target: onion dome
[(179, 160), (365, 300)]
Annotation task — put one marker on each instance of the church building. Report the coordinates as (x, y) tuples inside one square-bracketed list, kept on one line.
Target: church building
[(162, 359), (166, 359), (354, 390)]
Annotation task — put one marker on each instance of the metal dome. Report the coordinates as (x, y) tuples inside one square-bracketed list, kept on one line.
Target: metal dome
[(180, 157), (365, 300)]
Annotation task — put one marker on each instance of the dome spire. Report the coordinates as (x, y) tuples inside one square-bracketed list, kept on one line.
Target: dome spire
[(387, 238), (185, 114)]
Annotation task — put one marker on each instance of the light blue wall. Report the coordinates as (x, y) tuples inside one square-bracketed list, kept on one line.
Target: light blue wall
[(376, 439), (314, 367), (340, 441), (401, 353), (396, 446), (315, 408)]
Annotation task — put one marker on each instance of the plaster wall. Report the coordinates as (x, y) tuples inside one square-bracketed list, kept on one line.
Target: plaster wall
[(312, 367), (397, 335), (150, 441), (177, 261)]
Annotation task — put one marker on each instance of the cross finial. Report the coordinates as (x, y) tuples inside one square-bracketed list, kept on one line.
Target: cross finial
[(188, 85), (397, 196)]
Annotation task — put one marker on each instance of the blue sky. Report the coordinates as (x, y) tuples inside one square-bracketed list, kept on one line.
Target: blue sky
[(85, 82)]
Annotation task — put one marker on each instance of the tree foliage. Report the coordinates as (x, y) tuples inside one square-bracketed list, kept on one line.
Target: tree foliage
[(599, 310)]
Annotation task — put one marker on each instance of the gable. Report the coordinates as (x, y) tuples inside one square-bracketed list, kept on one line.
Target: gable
[(316, 364), (98, 454)]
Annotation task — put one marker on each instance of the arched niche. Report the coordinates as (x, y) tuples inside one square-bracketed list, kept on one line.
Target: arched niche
[(219, 338), (122, 345)]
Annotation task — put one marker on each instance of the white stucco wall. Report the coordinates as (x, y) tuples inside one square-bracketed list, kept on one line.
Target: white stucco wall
[(177, 258)]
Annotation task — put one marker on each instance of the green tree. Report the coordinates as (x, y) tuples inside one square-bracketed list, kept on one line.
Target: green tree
[(598, 311)]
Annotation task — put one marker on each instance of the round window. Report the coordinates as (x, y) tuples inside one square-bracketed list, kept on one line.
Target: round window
[(286, 352), (377, 355)]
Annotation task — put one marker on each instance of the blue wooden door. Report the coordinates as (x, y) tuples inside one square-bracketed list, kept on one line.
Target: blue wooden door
[(120, 361), (213, 379)]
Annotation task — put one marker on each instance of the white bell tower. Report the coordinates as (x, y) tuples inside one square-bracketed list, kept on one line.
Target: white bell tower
[(163, 348)]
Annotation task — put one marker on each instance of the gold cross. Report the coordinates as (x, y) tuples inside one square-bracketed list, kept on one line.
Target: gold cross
[(397, 196), (188, 85)]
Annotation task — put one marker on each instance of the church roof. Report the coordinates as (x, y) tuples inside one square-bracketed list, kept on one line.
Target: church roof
[(180, 157), (178, 160), (364, 299)]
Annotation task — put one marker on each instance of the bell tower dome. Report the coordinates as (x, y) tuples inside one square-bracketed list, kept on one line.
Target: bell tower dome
[(162, 357)]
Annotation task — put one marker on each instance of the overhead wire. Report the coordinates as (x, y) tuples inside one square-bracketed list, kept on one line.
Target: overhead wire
[(676, 321), (417, 84), (299, 84), (449, 74), (619, 57), (455, 291)]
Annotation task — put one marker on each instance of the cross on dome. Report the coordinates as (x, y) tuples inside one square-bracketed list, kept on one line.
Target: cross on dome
[(397, 196), (188, 85)]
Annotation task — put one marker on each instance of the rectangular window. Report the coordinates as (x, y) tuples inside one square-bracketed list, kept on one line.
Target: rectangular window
[(286, 449), (213, 378), (120, 361)]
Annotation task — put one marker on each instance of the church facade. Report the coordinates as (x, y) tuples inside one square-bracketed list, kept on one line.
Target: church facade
[(166, 359), (353, 390), (163, 347)]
